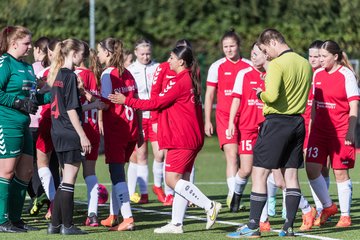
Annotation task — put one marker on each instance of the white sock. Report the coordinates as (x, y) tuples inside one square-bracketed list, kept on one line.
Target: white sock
[(320, 189), (327, 180), (192, 174), (132, 177), (178, 209), (158, 173), (231, 184), (284, 197), (123, 199), (345, 196), (264, 214), (47, 182), (143, 178), (92, 194), (271, 186), (114, 206), (304, 205), (318, 204), (191, 193), (168, 190), (240, 184)]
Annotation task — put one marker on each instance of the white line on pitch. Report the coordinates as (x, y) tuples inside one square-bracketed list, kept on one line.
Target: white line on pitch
[(204, 219)]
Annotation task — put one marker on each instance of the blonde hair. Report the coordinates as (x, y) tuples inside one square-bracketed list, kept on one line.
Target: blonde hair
[(10, 34), (62, 50)]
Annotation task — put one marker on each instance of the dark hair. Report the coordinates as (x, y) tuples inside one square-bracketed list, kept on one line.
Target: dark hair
[(232, 34), (334, 48), (183, 42), (42, 43), (50, 46), (86, 53), (115, 47), (95, 65), (270, 34), (142, 43), (316, 44), (186, 54), (11, 33)]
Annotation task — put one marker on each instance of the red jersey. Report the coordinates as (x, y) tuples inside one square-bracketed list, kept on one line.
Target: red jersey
[(120, 121), (250, 106), (307, 114), (221, 75), (181, 118), (332, 94), (162, 75), (90, 117), (45, 110)]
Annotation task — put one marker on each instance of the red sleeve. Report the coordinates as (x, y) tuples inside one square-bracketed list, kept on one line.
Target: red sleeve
[(166, 98), (156, 88)]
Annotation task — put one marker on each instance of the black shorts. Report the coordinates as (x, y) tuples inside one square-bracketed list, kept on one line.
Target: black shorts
[(280, 142), (70, 157)]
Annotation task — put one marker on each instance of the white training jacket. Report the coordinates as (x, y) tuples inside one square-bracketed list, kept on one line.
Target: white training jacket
[(144, 76)]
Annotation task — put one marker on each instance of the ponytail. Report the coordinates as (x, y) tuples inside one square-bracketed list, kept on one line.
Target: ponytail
[(186, 54), (95, 66), (57, 62)]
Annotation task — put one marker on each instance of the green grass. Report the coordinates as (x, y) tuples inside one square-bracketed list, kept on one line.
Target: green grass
[(210, 167)]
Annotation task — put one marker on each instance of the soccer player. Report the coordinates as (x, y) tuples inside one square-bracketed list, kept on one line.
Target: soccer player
[(68, 136), (162, 75), (249, 110), (281, 136), (143, 71), (314, 60), (35, 189), (90, 125), (220, 82), (47, 162), (16, 102), (121, 125), (181, 133), (334, 117)]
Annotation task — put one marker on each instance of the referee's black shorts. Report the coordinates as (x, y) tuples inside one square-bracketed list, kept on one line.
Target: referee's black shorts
[(280, 142)]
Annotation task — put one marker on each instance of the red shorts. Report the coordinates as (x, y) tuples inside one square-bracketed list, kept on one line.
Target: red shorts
[(93, 135), (44, 142), (247, 142), (180, 160), (148, 132), (306, 139), (118, 151), (320, 147), (222, 122)]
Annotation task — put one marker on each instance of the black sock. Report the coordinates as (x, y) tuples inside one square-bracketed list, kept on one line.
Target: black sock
[(257, 203), (292, 201), (56, 218), (67, 207)]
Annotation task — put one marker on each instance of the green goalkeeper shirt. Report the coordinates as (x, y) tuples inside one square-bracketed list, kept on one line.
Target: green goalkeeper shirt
[(17, 78)]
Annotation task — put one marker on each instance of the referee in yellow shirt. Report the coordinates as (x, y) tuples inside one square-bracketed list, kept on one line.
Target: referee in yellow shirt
[(281, 136)]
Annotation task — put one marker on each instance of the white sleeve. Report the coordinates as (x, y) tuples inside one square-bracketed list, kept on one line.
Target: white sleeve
[(212, 76), (351, 85), (239, 80), (106, 85)]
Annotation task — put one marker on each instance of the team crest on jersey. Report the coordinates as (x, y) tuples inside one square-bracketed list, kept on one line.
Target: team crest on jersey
[(227, 92)]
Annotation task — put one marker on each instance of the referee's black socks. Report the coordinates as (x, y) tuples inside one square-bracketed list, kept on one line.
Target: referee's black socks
[(292, 201), (257, 203)]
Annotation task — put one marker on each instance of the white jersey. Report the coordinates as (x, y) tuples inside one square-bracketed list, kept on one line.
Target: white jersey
[(143, 75)]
